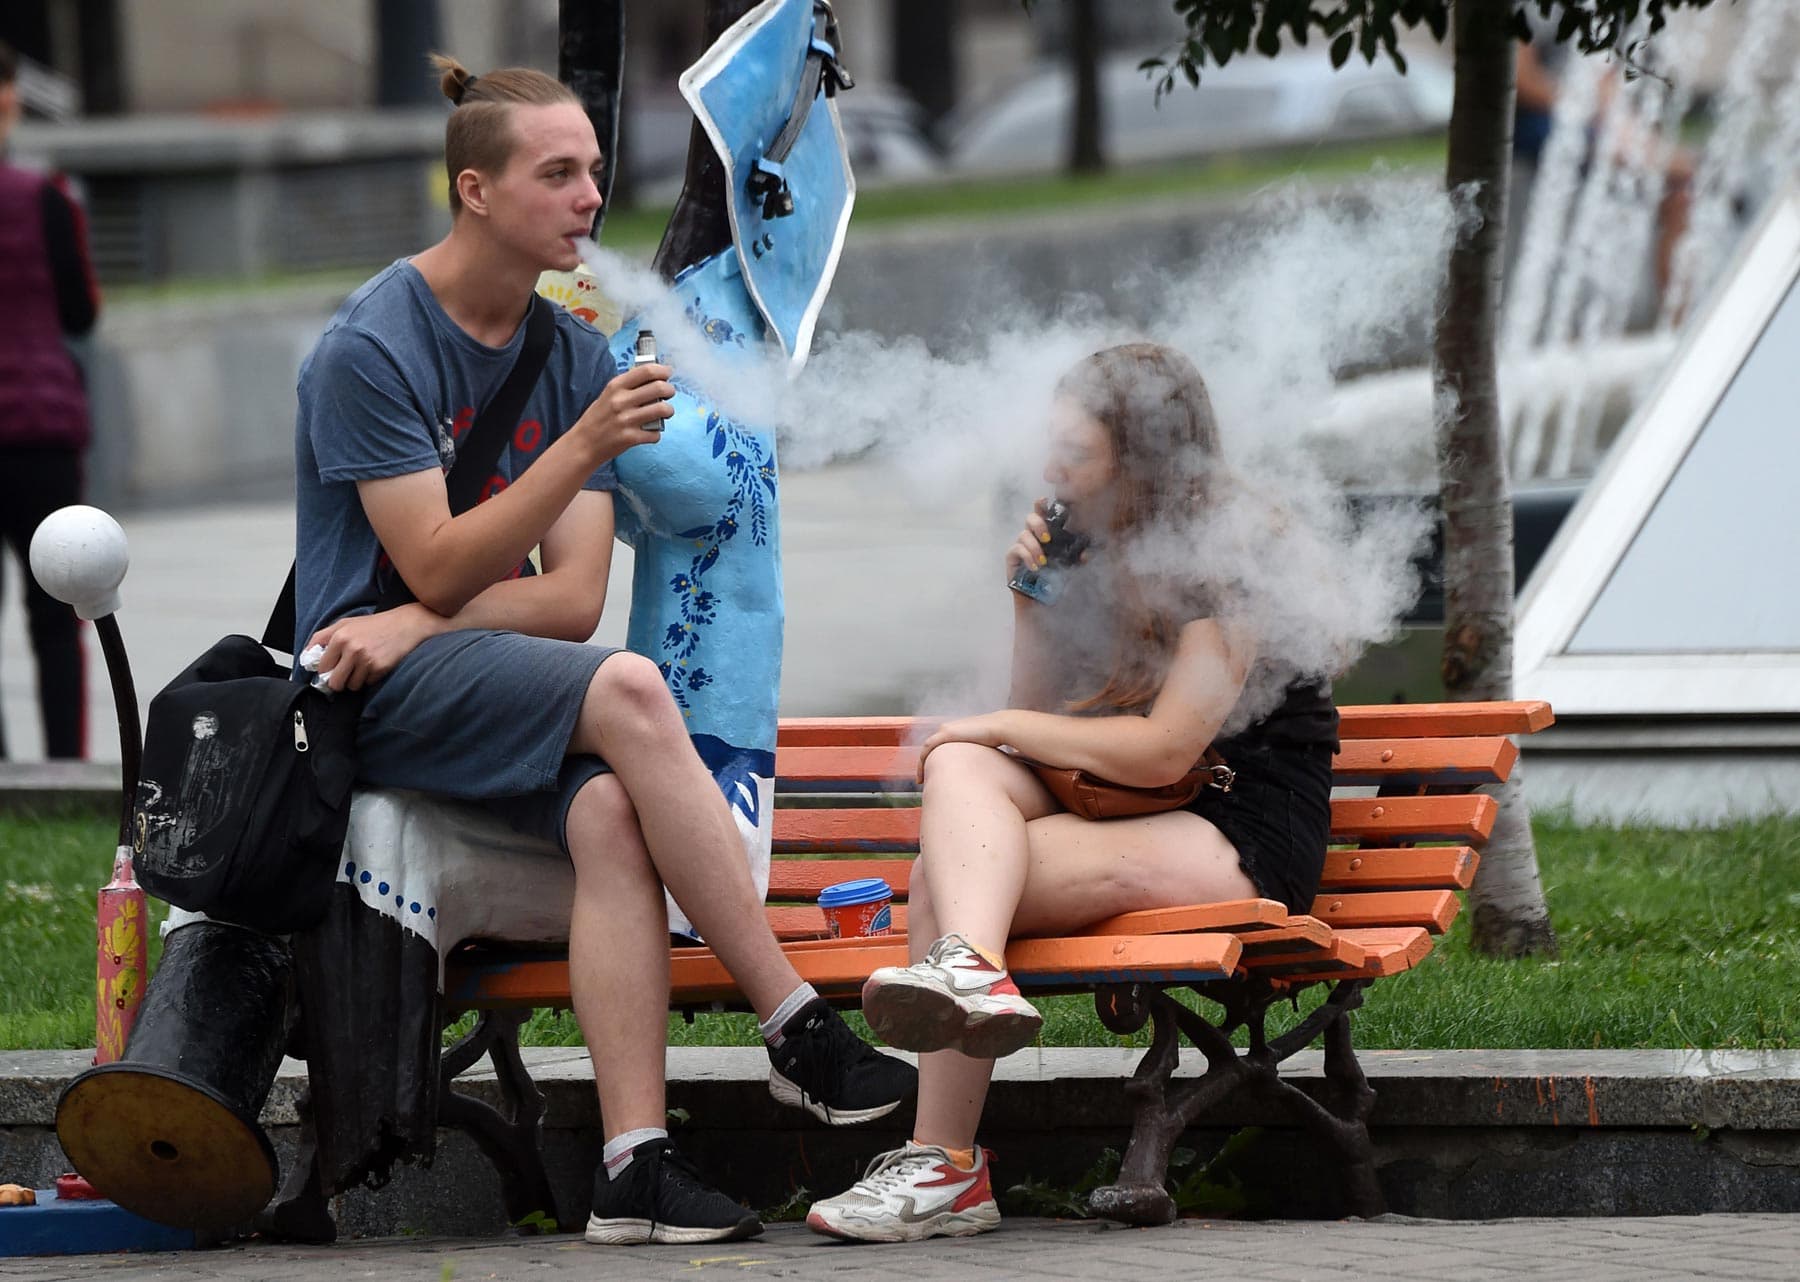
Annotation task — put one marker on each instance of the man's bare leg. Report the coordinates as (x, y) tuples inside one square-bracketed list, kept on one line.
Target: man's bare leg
[(629, 719), (694, 847), (618, 957)]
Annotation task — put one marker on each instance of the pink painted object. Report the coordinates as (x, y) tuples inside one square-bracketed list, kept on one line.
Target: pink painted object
[(119, 976)]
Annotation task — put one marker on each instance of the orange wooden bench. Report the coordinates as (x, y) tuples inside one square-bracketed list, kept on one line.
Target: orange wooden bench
[(1401, 855)]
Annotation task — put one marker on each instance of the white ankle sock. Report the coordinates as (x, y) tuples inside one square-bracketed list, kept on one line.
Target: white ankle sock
[(790, 1006), (616, 1156)]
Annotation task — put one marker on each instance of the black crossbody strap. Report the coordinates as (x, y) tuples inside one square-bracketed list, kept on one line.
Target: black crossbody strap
[(475, 459), (480, 451)]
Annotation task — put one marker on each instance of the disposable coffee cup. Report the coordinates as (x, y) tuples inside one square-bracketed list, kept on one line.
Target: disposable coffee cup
[(858, 908)]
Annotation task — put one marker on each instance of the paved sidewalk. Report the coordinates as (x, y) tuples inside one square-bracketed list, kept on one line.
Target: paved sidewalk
[(1748, 1247)]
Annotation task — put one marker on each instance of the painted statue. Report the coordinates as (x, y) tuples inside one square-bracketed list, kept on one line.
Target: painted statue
[(701, 508)]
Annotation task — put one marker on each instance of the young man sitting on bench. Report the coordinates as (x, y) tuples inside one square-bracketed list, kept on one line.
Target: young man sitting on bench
[(483, 689)]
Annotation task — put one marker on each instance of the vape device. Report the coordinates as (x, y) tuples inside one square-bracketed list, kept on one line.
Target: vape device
[(645, 354), (1045, 583)]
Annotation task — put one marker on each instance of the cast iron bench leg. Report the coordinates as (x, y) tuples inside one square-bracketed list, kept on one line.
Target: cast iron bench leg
[(1341, 1121), (1351, 1100), (513, 1144), (1162, 1112)]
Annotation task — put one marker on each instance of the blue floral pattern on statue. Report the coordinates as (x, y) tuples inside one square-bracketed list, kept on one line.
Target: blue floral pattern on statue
[(750, 471)]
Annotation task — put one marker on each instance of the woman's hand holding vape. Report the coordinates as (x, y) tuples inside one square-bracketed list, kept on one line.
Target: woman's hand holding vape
[(1030, 550)]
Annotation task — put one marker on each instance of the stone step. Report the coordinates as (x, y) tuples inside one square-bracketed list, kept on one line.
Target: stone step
[(1459, 1134)]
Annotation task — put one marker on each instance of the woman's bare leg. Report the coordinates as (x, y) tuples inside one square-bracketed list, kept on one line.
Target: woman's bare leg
[(972, 844), (1075, 873)]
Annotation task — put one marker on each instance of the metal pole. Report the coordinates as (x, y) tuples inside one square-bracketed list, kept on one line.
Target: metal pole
[(131, 737), (122, 917), (79, 556), (591, 61)]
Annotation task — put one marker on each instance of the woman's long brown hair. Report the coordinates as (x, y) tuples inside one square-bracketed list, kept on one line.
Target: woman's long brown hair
[(1155, 409)]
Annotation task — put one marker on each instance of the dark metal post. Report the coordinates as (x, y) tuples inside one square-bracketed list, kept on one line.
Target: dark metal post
[(590, 60), (699, 226), (405, 32), (131, 738)]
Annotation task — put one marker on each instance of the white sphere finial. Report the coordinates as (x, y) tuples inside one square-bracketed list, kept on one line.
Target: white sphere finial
[(79, 557)]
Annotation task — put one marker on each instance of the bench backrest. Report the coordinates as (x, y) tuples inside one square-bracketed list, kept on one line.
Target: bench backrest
[(1406, 821)]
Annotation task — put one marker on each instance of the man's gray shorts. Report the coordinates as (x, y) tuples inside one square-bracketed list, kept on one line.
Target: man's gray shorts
[(485, 716)]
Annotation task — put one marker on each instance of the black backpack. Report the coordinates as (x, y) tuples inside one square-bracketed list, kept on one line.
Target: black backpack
[(244, 792), (243, 797)]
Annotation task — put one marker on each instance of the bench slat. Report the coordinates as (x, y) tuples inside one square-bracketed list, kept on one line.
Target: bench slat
[(1444, 762), (1356, 721), (1432, 909), (805, 878), (831, 732), (1237, 914), (1427, 720), (875, 831), (1466, 818), (1299, 932), (1457, 763), (1419, 868), (1388, 952), (838, 968), (839, 769), (807, 921), (896, 830), (1336, 955), (1149, 959)]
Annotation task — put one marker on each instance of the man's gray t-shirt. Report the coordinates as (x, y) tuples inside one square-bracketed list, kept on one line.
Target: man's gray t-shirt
[(390, 387)]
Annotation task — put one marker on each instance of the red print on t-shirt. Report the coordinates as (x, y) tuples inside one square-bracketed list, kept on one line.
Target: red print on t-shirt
[(465, 418), (526, 439)]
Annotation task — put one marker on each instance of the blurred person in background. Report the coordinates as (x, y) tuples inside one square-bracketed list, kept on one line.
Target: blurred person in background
[(48, 286)]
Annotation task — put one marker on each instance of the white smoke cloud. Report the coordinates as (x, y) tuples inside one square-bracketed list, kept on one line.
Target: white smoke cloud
[(1308, 286)]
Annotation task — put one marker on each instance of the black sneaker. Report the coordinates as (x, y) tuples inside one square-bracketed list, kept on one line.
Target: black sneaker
[(824, 1068), (660, 1197)]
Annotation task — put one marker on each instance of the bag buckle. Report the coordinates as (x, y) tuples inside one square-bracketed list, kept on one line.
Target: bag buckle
[(1223, 776)]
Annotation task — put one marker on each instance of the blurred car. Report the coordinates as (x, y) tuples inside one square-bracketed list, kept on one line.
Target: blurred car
[(884, 129), (1250, 102)]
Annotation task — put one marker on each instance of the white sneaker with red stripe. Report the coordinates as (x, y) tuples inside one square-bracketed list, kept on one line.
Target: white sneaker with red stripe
[(909, 1194), (955, 999)]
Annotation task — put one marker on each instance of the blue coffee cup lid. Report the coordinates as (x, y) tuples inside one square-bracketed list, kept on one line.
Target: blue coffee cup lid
[(865, 890)]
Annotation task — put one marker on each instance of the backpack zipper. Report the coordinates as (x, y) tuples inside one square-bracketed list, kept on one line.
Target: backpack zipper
[(301, 743)]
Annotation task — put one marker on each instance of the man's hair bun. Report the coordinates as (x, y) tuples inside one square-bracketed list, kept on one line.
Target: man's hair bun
[(456, 78)]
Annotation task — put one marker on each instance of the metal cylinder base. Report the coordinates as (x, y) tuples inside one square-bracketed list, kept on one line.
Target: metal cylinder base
[(167, 1147), (170, 1130)]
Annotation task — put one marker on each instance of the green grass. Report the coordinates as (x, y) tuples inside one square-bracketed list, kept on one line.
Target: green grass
[(51, 869), (1669, 939), (637, 231)]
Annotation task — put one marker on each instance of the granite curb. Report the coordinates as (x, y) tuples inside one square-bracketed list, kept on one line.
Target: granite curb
[(1717, 1090), (1458, 1135)]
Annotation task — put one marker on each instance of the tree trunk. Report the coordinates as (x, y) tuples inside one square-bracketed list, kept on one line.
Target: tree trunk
[(1086, 155), (1510, 917)]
